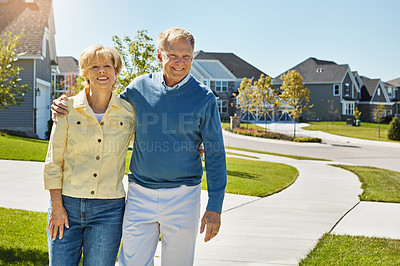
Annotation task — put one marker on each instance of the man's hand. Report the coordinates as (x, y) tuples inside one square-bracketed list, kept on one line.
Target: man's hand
[(58, 108), (213, 222)]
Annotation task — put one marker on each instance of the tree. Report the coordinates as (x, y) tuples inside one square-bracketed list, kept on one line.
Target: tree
[(357, 114), (265, 96), (138, 56), (245, 99), (295, 95), (11, 89), (379, 115), (394, 129)]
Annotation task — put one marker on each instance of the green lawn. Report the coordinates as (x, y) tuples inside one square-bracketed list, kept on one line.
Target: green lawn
[(367, 131), (243, 125), (23, 149), (256, 178), (23, 238), (377, 184), (353, 250)]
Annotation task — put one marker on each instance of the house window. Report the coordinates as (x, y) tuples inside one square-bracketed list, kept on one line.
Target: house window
[(222, 106), (205, 82), (349, 109), (390, 91), (336, 90), (347, 90), (221, 86), (379, 91)]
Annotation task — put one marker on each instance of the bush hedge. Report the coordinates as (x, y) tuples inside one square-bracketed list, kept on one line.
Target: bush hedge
[(261, 133), (394, 129)]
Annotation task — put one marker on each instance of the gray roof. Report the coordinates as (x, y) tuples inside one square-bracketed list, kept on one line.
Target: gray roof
[(32, 17), (237, 66), (318, 71), (394, 82), (368, 90), (67, 64)]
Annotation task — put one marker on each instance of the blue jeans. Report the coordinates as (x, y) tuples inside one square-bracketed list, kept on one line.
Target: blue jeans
[(95, 226)]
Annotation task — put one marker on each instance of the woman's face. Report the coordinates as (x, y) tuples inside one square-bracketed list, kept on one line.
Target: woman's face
[(102, 74)]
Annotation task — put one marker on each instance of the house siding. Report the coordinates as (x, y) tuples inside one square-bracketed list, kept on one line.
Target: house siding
[(326, 106), (214, 70), (379, 98), (20, 117), (43, 68)]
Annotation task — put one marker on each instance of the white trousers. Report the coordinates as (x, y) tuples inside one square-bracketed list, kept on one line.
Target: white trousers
[(173, 212)]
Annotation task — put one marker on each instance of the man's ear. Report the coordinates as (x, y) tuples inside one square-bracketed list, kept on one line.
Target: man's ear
[(159, 55)]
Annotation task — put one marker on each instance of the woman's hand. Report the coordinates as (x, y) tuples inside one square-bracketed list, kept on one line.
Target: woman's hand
[(58, 219), (58, 215)]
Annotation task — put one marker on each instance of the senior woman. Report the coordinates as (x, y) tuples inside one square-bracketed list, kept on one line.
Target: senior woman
[(85, 166)]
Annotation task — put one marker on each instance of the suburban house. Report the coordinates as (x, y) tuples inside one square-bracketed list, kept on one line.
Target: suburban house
[(36, 19), (223, 72), (373, 92), (334, 89), (65, 79), (393, 90)]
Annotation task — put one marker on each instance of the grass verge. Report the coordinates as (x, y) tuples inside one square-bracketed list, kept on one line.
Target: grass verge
[(297, 157), (238, 154), (23, 237), (377, 184), (256, 178), (368, 131), (353, 250)]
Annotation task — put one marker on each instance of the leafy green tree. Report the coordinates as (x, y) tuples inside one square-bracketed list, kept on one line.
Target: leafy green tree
[(246, 98), (295, 96), (138, 56), (266, 97), (11, 89), (379, 115), (394, 129)]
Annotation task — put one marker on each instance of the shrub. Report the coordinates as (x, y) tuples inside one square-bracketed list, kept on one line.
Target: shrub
[(318, 140), (261, 133), (49, 127), (394, 129)]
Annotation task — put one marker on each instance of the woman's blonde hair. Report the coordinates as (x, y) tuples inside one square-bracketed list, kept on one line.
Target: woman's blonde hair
[(99, 52), (173, 34)]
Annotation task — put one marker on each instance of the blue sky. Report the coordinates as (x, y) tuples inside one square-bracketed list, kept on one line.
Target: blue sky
[(272, 35)]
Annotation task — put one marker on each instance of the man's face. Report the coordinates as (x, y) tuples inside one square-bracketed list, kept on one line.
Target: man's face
[(176, 60)]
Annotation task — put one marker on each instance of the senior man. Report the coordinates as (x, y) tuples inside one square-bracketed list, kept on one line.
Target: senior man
[(175, 113)]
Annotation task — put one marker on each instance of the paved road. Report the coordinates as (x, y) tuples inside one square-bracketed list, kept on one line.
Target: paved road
[(344, 150)]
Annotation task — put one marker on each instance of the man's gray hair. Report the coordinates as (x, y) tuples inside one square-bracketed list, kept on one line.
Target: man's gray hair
[(173, 33)]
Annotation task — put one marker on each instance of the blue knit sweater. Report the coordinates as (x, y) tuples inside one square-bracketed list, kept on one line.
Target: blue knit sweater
[(170, 126)]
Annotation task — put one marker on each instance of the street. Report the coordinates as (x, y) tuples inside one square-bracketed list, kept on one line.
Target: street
[(344, 150)]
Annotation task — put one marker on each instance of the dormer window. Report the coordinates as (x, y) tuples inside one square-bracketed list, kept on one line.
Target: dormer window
[(379, 91), (320, 69)]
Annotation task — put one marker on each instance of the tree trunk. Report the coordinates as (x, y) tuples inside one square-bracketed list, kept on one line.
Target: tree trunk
[(294, 129), (379, 130)]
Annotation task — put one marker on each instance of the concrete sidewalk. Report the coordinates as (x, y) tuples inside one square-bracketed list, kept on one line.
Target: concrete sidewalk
[(277, 230)]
